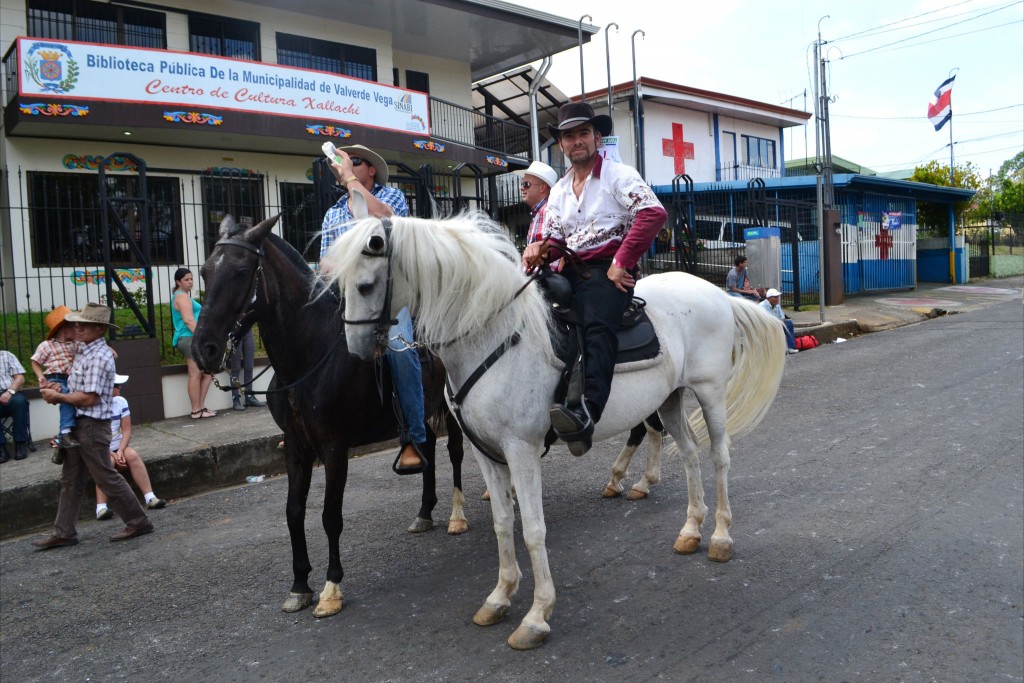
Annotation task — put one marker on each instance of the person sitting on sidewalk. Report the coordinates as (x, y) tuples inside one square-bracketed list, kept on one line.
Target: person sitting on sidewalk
[(52, 365), (738, 284), (125, 457), (14, 405), (771, 304)]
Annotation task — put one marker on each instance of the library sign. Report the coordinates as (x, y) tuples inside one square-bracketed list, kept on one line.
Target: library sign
[(69, 69)]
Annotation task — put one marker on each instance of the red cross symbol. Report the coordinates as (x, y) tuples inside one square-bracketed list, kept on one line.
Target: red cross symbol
[(677, 148), (883, 241)]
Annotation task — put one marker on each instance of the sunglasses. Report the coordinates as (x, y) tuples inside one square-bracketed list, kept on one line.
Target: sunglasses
[(526, 184), (356, 161)]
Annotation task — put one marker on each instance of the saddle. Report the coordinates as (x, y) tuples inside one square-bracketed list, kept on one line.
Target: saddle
[(636, 336)]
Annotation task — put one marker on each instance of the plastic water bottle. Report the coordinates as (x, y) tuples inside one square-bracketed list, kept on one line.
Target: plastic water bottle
[(255, 479)]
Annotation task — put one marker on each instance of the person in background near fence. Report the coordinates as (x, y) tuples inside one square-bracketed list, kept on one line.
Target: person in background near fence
[(14, 405), (774, 308), (364, 172), (738, 284), (90, 390), (123, 456), (184, 314), (538, 180), (609, 216), (244, 354), (52, 365)]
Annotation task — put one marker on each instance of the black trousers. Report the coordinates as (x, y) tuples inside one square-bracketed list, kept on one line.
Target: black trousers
[(600, 306)]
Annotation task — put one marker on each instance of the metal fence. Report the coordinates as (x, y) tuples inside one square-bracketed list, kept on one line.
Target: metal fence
[(52, 246)]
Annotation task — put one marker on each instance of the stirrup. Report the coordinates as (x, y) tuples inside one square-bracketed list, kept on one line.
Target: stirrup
[(410, 469)]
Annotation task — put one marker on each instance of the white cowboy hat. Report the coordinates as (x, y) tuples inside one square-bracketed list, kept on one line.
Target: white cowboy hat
[(120, 379), (539, 169), (772, 292)]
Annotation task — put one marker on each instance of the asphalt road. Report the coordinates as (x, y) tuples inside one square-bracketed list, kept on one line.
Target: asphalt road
[(879, 536)]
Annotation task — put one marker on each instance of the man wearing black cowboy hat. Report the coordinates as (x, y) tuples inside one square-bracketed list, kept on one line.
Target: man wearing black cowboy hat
[(608, 215), (90, 390)]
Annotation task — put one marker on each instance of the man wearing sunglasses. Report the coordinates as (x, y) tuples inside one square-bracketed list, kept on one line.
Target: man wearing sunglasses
[(363, 171), (536, 186)]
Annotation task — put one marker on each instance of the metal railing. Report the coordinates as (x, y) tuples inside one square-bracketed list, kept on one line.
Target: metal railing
[(455, 123), (744, 172)]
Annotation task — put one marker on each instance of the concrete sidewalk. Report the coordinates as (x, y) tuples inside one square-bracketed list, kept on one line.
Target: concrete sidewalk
[(186, 457)]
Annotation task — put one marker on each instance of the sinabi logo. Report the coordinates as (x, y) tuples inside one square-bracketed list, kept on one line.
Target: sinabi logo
[(51, 67), (404, 104)]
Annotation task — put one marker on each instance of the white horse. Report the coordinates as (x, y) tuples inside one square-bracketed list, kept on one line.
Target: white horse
[(460, 276)]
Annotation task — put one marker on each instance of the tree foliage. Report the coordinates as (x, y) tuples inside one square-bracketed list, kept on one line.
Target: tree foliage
[(936, 216)]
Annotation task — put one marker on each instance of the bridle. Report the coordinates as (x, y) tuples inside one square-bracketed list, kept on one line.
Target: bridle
[(380, 247)]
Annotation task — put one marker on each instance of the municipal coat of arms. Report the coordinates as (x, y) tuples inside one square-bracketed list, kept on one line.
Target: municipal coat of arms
[(51, 67)]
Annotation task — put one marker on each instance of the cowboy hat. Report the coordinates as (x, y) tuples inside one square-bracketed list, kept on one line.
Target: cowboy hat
[(539, 169), (367, 154), (54, 319), (93, 314), (576, 114), (120, 379)]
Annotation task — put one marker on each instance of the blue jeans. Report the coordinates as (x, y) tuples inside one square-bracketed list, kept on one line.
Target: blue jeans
[(17, 410), (790, 335), (67, 411), (408, 380)]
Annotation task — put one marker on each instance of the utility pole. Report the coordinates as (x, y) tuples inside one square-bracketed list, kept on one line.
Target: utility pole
[(819, 80)]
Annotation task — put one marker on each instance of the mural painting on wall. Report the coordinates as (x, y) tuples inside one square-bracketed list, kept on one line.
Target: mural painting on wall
[(329, 131), (98, 276), (677, 148)]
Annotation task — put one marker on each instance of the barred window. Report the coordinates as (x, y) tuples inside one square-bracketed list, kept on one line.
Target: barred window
[(758, 152), (96, 22), (66, 219), (235, 192), (301, 218), (323, 55), (213, 35)]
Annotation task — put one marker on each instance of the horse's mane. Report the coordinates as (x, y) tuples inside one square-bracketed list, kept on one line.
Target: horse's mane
[(463, 273)]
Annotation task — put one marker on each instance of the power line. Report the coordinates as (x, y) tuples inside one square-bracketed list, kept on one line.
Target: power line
[(936, 30), (955, 35), (916, 16), (872, 32), (943, 149), (919, 117)]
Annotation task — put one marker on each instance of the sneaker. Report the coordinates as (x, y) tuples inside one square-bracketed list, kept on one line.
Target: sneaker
[(67, 441), (58, 456), (236, 403), (156, 503), (20, 451), (105, 514), (792, 350), (253, 402)]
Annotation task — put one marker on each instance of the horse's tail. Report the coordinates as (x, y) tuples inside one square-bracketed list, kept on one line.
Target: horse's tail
[(758, 359)]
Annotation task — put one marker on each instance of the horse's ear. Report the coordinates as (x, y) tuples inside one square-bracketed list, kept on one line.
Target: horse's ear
[(227, 226), (259, 231), (359, 210)]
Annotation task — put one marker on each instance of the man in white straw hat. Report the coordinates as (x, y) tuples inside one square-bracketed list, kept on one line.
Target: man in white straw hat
[(90, 390), (536, 186), (771, 304), (362, 171)]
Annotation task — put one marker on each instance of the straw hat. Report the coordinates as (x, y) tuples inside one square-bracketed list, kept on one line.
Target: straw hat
[(93, 314), (54, 319), (367, 154)]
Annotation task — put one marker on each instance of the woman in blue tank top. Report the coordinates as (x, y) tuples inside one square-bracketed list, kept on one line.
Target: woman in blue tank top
[(184, 314)]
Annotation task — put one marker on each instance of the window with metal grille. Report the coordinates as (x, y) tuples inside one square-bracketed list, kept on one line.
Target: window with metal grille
[(66, 221), (212, 35), (301, 218), (758, 152), (236, 192), (96, 22), (323, 55)]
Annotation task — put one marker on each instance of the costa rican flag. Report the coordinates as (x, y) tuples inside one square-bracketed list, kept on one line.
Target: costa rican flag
[(942, 110)]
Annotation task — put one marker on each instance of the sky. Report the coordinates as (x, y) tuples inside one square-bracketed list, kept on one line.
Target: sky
[(880, 80)]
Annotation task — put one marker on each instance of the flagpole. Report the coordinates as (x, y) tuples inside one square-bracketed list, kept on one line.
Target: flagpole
[(952, 183)]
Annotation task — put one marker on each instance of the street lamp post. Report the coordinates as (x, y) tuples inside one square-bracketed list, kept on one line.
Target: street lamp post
[(636, 108), (608, 63), (583, 89)]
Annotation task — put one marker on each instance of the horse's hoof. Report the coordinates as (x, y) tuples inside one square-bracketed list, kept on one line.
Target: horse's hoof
[(636, 494), (419, 525), (327, 607), (457, 526), (330, 602), (720, 551), (610, 492), (297, 602), (528, 637), (686, 545), (489, 616)]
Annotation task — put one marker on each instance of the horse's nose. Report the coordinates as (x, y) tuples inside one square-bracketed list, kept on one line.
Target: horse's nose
[(206, 356)]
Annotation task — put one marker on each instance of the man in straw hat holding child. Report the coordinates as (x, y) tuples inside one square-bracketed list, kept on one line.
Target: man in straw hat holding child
[(90, 390)]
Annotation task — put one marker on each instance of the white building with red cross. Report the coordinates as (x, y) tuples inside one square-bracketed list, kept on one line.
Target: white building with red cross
[(708, 136)]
